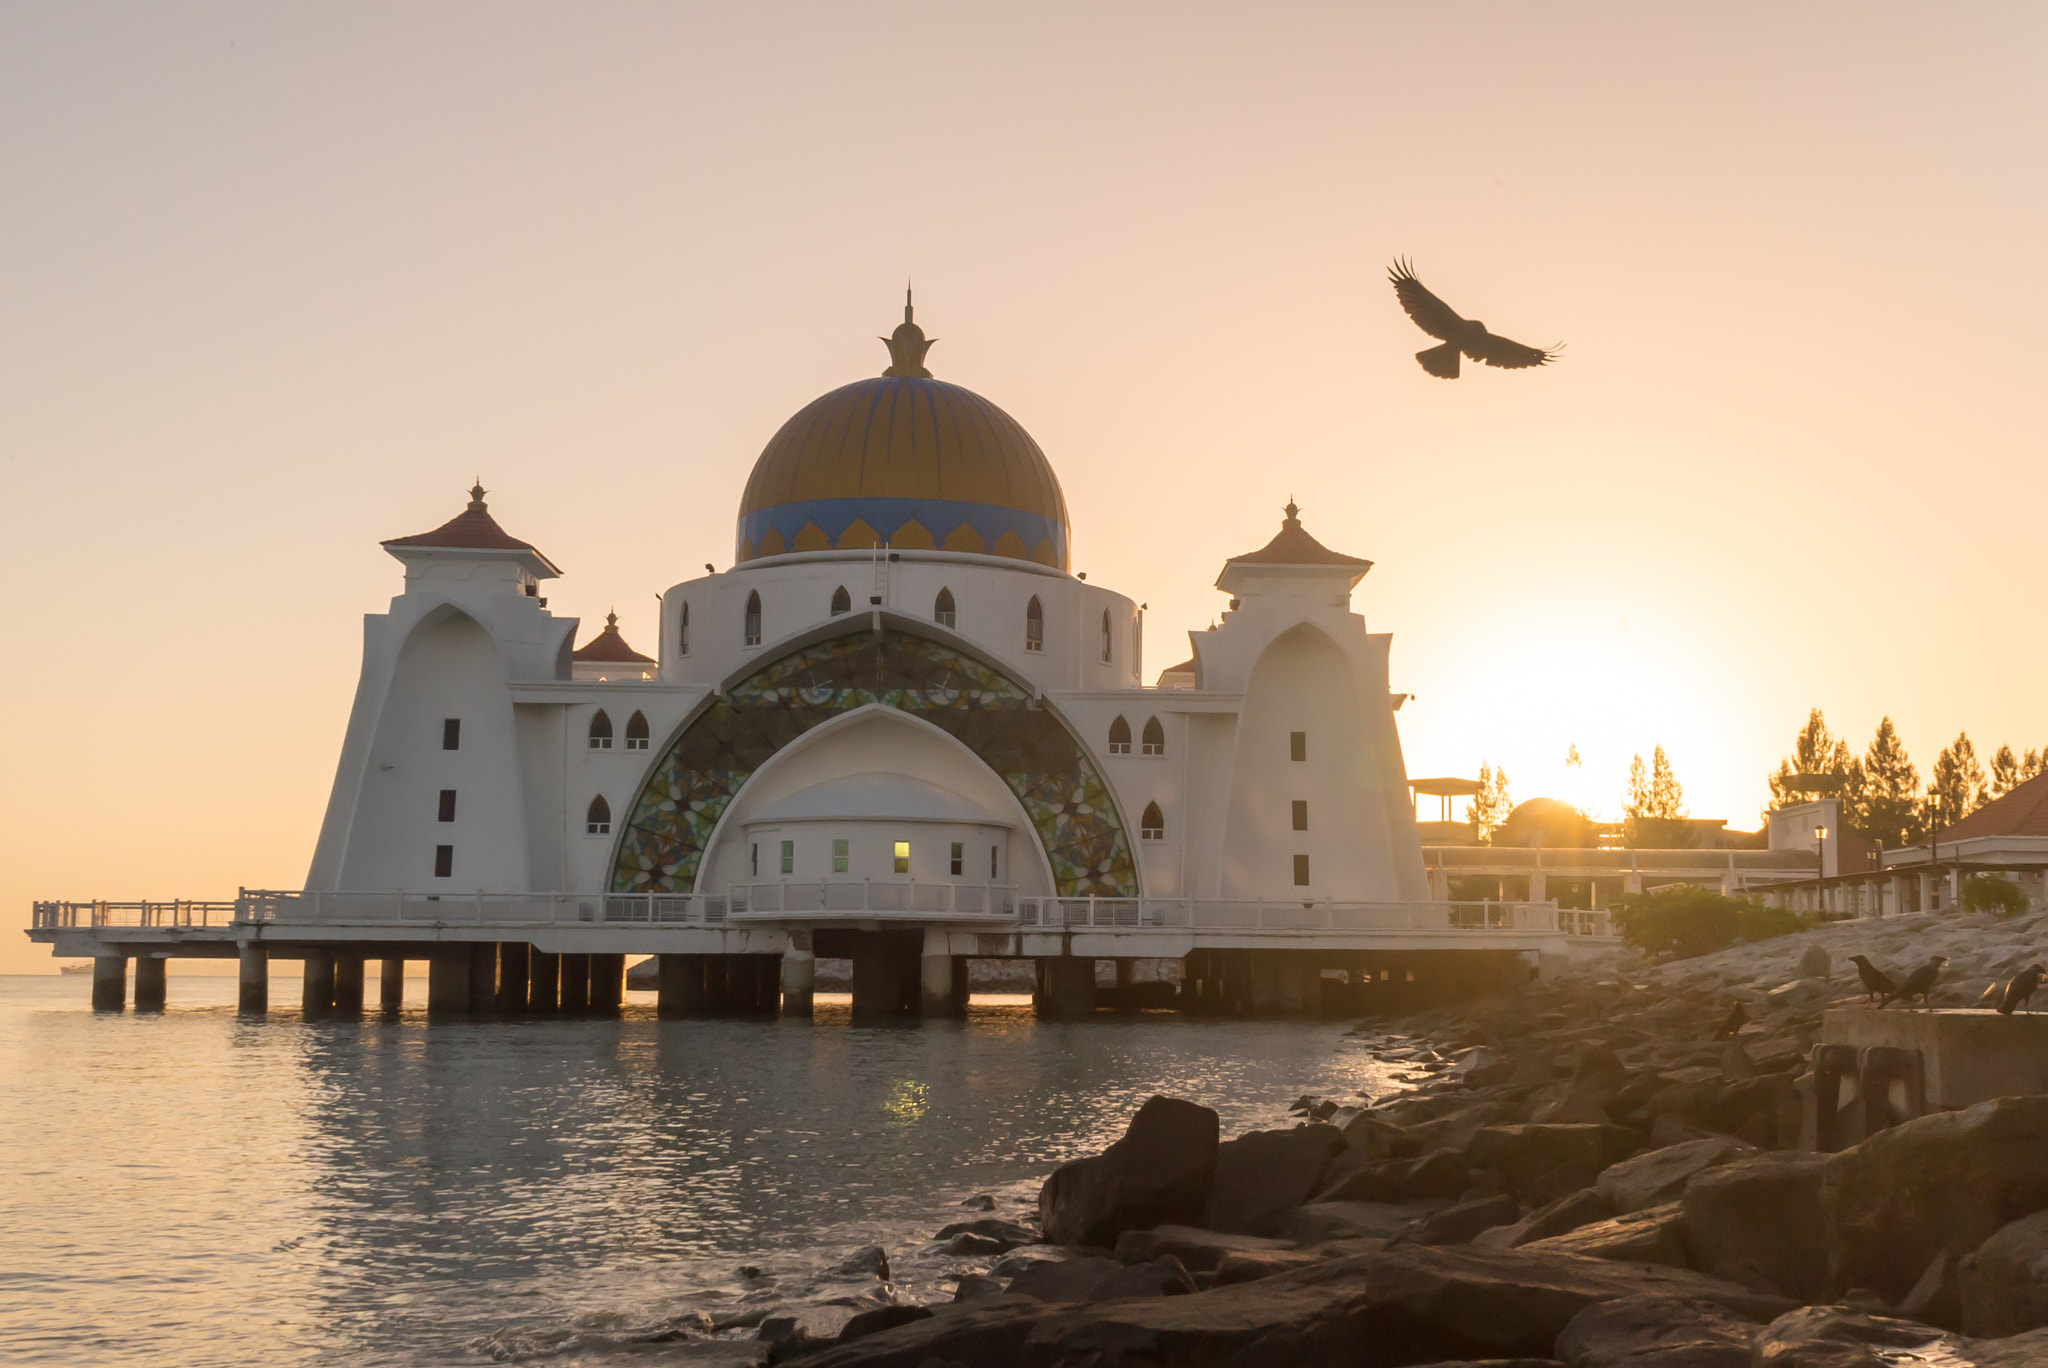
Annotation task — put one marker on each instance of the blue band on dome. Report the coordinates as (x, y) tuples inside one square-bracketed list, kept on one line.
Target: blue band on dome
[(941, 518)]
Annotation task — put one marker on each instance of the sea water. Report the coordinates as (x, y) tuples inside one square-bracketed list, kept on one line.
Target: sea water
[(192, 1187)]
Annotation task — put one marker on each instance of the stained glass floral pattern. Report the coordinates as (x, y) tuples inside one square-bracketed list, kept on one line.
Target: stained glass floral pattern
[(991, 714)]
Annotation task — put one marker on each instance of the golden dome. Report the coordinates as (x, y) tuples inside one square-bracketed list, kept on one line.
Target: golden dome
[(905, 460)]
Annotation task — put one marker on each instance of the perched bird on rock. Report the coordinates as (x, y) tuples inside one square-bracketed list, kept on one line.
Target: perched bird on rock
[(2021, 988), (1457, 334), (1732, 1024), (1875, 980), (1919, 983)]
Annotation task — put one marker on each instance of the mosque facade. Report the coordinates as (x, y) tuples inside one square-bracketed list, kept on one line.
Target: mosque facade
[(898, 686)]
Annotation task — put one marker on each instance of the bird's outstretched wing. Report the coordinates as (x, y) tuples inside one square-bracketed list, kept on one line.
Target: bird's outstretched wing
[(1431, 314), (1509, 355)]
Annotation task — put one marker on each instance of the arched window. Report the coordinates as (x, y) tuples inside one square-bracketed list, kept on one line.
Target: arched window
[(842, 602), (636, 731), (1154, 739), (601, 731), (683, 630), (1152, 826), (1105, 636), (1034, 625), (1119, 737), (942, 609), (753, 619), (597, 820)]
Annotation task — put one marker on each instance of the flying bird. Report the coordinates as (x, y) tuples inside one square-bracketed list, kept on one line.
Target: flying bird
[(1876, 981), (2021, 988), (1466, 335), (1919, 983)]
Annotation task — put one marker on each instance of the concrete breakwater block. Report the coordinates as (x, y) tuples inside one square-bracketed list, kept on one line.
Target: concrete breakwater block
[(1969, 1055)]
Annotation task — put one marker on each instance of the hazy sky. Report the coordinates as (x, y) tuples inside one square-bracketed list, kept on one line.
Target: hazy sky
[(277, 281)]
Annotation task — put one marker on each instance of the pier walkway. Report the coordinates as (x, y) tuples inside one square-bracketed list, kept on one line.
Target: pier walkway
[(754, 947)]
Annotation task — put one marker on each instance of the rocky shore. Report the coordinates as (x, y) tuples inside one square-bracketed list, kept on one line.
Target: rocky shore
[(1580, 1173)]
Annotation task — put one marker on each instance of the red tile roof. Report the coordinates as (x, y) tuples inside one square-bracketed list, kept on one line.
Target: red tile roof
[(473, 529), (1293, 546), (2023, 812), (609, 648)]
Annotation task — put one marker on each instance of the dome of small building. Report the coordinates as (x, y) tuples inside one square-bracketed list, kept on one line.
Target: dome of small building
[(906, 460)]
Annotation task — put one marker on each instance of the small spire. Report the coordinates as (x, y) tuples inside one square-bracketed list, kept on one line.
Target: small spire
[(1293, 520), (611, 621), (476, 495), (907, 345)]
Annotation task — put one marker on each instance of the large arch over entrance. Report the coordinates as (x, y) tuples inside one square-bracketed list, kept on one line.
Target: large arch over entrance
[(993, 715)]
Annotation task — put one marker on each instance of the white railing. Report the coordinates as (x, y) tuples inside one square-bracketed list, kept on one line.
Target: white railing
[(483, 909), (1577, 922), (1306, 914), (861, 897), (177, 912)]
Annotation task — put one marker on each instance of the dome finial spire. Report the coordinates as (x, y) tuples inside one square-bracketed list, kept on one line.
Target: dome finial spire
[(1293, 519), (476, 495), (908, 344)]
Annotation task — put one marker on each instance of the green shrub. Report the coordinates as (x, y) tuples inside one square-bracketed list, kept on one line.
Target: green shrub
[(1990, 893), (1684, 920)]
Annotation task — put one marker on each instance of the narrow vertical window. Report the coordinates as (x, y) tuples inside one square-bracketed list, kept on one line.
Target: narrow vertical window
[(1154, 739), (842, 602), (754, 860), (597, 819), (636, 731), (1119, 737), (959, 858), (753, 618), (601, 731), (1301, 871), (1301, 814), (444, 861), (1034, 625), (447, 805), (902, 857), (451, 733), (993, 852), (683, 630), (1105, 637), (942, 609), (789, 857), (1152, 826), (1297, 745), (839, 856)]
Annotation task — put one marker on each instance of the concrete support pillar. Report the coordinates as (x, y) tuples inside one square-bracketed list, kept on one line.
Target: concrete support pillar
[(543, 982), (1068, 986), (1538, 884), (316, 990), (483, 977), (149, 983), (1300, 985), (962, 990), (679, 985), (1265, 976), (712, 971), (348, 985), (109, 983), (886, 973), (1926, 892), (799, 982), (607, 982), (767, 983), (1124, 999), (448, 980), (514, 963), (1954, 901), (575, 995), (935, 976), (253, 999), (391, 984)]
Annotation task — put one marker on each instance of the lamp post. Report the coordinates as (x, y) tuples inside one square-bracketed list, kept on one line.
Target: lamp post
[(1820, 850)]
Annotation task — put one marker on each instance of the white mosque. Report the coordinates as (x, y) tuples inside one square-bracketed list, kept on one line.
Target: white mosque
[(898, 689)]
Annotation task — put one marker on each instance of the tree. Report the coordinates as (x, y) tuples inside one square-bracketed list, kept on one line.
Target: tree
[(1491, 805), (1957, 787), (2033, 762), (1891, 791), (1653, 809), (1667, 799), (2005, 772), (1816, 751)]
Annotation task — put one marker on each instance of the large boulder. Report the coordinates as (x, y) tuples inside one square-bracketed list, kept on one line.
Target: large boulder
[(1320, 1222), (1836, 1337), (1646, 1237), (1567, 1213), (1158, 1174), (1439, 1173), (1543, 1162), (1756, 1221), (1661, 1176), (1458, 1224), (1656, 1332), (1454, 1130), (2004, 1284), (1098, 1279), (1945, 1182), (1375, 1138), (1261, 1176), (1199, 1251)]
